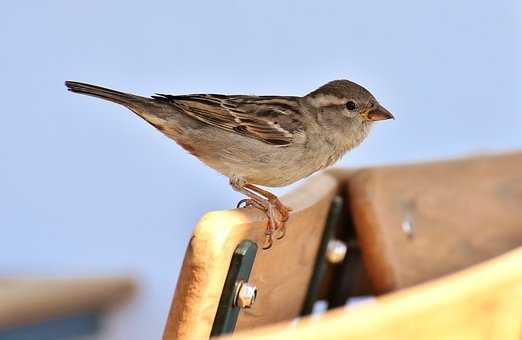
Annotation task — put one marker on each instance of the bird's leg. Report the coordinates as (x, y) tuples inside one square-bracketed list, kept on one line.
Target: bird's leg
[(270, 205)]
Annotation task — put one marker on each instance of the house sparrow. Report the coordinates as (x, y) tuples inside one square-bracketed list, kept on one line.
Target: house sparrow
[(259, 140)]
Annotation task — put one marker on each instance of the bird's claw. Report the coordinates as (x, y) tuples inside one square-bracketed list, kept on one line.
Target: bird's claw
[(243, 201), (277, 214), (268, 241), (281, 232)]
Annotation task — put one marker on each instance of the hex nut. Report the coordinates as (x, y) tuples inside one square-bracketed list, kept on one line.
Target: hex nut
[(245, 294), (336, 251)]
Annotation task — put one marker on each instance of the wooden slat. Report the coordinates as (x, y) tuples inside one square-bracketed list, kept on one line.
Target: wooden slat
[(281, 273), (30, 300), (462, 212), (482, 302)]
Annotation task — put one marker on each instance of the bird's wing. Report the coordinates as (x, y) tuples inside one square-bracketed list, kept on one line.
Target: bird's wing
[(273, 120)]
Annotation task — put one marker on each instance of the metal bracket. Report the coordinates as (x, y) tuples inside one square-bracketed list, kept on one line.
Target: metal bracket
[(239, 270), (334, 216)]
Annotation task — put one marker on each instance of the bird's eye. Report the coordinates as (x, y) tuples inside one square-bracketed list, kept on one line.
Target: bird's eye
[(350, 105)]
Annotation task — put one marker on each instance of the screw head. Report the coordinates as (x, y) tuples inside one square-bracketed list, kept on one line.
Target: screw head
[(245, 294), (336, 251)]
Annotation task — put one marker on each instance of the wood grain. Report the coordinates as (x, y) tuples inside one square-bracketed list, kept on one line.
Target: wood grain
[(462, 212), (482, 302), (281, 273), (29, 300)]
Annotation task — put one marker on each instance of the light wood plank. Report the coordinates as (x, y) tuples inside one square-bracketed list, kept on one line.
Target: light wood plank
[(462, 212), (482, 302)]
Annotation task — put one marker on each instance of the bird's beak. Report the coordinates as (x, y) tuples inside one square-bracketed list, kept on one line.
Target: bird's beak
[(378, 113)]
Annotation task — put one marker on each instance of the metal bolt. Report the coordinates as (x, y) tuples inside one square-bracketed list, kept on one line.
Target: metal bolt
[(245, 294), (336, 251)]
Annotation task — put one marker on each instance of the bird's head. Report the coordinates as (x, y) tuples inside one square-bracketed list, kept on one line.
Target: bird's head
[(348, 99)]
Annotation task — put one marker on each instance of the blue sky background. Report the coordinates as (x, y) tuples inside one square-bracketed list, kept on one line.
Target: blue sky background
[(88, 188)]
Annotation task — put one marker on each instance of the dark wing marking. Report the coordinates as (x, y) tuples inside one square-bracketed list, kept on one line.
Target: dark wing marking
[(273, 120)]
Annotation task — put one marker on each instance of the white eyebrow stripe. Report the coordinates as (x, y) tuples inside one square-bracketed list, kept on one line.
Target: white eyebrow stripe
[(321, 100)]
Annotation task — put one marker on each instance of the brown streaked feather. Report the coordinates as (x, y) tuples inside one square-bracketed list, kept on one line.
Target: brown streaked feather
[(271, 119)]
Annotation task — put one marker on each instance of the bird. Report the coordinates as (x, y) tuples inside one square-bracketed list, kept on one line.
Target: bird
[(268, 141)]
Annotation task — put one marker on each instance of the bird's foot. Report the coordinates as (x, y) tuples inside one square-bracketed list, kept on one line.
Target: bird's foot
[(277, 214), (274, 209)]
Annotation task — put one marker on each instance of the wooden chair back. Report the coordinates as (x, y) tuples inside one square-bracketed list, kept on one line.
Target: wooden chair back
[(403, 225)]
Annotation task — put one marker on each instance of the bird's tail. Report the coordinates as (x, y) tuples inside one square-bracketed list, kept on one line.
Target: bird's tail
[(133, 102)]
